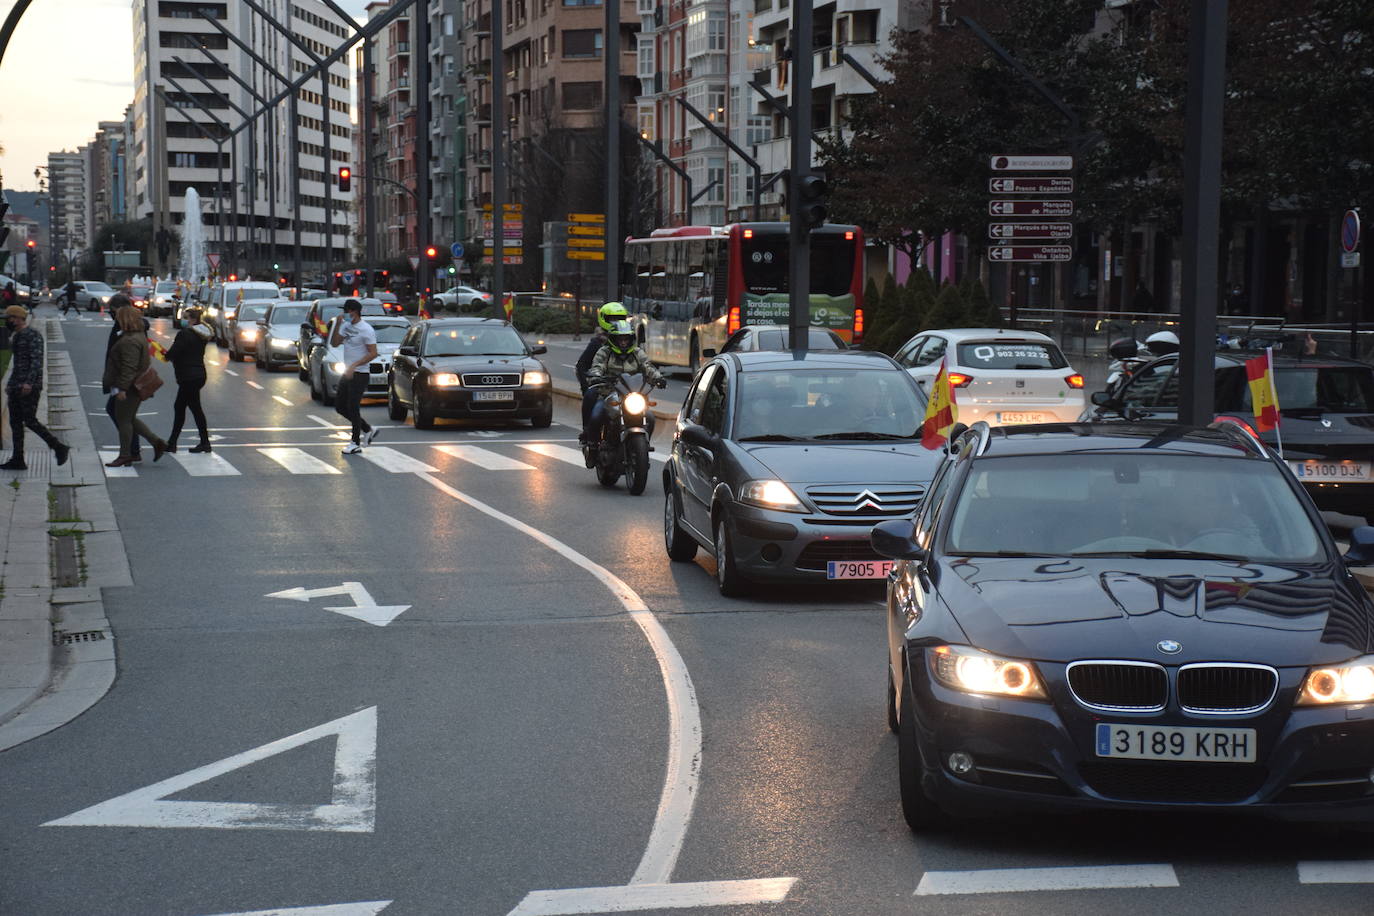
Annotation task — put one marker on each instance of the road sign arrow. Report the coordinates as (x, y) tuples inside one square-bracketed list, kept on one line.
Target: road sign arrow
[(364, 607)]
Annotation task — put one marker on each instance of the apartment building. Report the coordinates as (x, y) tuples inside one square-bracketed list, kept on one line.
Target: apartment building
[(390, 157), (172, 141), (447, 125), (67, 200)]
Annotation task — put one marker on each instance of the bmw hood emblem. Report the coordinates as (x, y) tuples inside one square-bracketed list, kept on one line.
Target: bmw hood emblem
[(1169, 646)]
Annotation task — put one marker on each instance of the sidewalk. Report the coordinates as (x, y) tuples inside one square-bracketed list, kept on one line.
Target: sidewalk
[(60, 546)]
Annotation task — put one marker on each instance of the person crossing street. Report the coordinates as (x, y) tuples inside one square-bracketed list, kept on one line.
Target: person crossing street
[(359, 342), (24, 388)]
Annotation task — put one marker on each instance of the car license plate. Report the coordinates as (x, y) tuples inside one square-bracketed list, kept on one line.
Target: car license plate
[(1332, 471), (1163, 742), (863, 569), (493, 395), (1020, 416)]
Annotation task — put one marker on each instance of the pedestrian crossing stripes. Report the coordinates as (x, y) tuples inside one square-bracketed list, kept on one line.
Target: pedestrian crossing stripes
[(388, 459), (106, 456), (561, 452), (484, 458), (298, 461), (201, 464)]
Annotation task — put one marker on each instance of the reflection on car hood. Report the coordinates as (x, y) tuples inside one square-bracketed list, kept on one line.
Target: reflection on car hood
[(1066, 609), (478, 363), (869, 462)]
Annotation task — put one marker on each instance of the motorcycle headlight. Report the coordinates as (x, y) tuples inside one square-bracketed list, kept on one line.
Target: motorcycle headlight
[(971, 671), (770, 494), (635, 403), (1352, 682), (446, 380), (536, 377)]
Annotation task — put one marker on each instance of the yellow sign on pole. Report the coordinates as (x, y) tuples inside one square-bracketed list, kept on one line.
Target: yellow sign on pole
[(586, 255), (587, 243), (586, 217), (587, 230)]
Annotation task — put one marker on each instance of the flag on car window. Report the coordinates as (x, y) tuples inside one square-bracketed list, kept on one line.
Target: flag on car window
[(320, 327), (941, 411), (1263, 398), (509, 305), (157, 350)]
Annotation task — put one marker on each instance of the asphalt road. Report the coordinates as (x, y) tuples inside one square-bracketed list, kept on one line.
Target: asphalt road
[(557, 707)]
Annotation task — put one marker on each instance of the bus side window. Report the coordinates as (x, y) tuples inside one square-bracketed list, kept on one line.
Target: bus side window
[(698, 291), (675, 291), (720, 279)]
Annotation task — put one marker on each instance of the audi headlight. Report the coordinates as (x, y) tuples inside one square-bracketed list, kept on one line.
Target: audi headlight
[(1352, 682), (536, 377), (767, 494), (445, 380), (248, 333), (971, 671), (635, 403)]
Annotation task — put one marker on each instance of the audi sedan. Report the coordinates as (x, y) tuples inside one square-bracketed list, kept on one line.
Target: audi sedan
[(469, 369), (1140, 616), (780, 466)]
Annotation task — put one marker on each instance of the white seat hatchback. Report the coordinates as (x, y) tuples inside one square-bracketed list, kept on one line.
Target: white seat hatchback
[(1001, 376)]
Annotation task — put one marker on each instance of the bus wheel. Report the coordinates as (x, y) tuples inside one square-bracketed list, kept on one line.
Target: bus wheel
[(694, 356)]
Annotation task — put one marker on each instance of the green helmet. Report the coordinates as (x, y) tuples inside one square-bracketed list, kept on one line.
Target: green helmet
[(610, 313), (620, 337)]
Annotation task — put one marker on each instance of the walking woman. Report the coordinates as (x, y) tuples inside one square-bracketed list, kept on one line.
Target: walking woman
[(187, 356), (123, 364)]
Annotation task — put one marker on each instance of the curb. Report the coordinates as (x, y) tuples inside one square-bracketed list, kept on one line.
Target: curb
[(57, 640)]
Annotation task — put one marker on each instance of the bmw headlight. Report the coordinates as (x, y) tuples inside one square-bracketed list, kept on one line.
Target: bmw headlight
[(1352, 682), (338, 368), (970, 671), (769, 494), (536, 377), (445, 380)]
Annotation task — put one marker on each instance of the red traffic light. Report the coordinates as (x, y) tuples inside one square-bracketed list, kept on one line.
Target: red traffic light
[(431, 252), (32, 243), (345, 177)]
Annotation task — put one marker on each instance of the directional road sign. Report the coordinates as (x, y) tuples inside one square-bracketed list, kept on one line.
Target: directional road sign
[(586, 255), (1350, 230), (1030, 230), (1042, 184), (456, 249), (587, 230), (586, 217), (213, 259), (1030, 253), (1052, 208), (1032, 163)]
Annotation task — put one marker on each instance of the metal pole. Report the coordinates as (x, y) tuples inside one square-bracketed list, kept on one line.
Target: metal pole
[(296, 186), (1202, 209), (734, 147), (657, 150), (799, 275), (369, 195), (423, 226), (327, 264), (612, 77), (498, 159)]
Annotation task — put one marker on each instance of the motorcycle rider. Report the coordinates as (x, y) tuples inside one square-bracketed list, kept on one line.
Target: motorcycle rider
[(608, 313), (620, 355)]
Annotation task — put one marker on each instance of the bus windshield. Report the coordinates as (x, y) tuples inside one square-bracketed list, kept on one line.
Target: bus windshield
[(766, 264)]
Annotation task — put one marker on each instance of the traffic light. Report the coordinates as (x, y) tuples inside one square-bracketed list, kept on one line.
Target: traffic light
[(811, 191), (431, 252), (345, 178)]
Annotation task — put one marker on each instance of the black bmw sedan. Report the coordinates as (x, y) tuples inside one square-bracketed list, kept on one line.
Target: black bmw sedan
[(1127, 616), (468, 368)]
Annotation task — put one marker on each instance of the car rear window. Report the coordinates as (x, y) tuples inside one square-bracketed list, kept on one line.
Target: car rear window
[(809, 403), (817, 339), (1011, 354), (1332, 389), (289, 314)]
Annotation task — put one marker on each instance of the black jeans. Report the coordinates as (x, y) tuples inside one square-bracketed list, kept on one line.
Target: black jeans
[(110, 410), (349, 400), (24, 412), (188, 396)]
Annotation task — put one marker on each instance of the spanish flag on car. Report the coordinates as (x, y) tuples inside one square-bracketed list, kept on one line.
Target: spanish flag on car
[(157, 350), (508, 303), (941, 412), (1263, 398), (321, 328)]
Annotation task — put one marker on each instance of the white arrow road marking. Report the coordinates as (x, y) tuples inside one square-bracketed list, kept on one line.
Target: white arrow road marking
[(299, 462), (352, 809), (683, 773), (653, 897), (1073, 878), (370, 908), (484, 458), (205, 464), (364, 609)]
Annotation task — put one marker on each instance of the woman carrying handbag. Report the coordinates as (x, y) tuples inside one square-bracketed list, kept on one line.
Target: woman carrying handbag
[(132, 380)]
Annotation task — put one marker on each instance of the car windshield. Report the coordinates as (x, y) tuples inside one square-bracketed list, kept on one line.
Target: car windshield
[(391, 333), (1333, 389), (1011, 354), (259, 294), (140, 291), (94, 287), (828, 404), (369, 308), (251, 312), (474, 340), (1131, 504), (167, 286), (289, 314)]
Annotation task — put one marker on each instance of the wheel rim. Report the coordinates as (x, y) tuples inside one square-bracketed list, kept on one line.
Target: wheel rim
[(720, 553), (669, 519)]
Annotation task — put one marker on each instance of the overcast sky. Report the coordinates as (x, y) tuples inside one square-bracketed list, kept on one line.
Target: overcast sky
[(68, 66)]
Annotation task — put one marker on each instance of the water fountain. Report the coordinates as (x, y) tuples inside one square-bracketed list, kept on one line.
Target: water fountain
[(193, 264)]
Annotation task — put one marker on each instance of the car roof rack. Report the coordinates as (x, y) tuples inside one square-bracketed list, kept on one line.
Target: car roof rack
[(1241, 433)]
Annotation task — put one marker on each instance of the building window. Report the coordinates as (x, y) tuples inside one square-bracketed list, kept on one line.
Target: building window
[(581, 96), (646, 57), (581, 2), (581, 42)]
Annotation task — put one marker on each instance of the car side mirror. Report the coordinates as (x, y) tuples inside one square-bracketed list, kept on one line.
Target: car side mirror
[(700, 436), (306, 326), (896, 539), (407, 351), (538, 350), (1361, 552), (1102, 399), (708, 353)]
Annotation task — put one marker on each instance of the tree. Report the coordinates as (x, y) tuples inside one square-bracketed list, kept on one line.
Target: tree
[(948, 311), (885, 312)]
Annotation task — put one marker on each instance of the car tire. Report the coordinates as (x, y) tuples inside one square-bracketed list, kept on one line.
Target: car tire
[(637, 465), (424, 414), (394, 408), (728, 578), (681, 546), (921, 813), (892, 723), (544, 420), (315, 394)]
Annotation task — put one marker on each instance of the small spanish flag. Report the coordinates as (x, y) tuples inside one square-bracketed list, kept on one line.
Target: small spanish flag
[(321, 328), (424, 313), (941, 412), (158, 350), (1263, 398), (239, 297), (508, 303)]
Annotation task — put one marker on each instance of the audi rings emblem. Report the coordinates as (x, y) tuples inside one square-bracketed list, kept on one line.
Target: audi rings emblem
[(1169, 646), (493, 379)]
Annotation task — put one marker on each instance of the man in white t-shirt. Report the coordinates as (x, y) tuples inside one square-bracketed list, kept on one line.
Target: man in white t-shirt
[(359, 342)]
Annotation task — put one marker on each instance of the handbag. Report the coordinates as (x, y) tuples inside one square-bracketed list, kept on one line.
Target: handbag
[(148, 381)]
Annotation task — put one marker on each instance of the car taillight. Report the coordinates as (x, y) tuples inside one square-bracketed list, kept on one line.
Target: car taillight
[(1075, 380), (959, 380), (732, 322), (858, 324)]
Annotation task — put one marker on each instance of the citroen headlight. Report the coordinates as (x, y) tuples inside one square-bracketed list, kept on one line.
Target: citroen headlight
[(283, 341), (536, 377), (445, 380), (1352, 682), (768, 494), (339, 368), (635, 404), (971, 671)]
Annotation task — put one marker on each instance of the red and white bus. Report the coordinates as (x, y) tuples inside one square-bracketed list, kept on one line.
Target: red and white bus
[(690, 288)]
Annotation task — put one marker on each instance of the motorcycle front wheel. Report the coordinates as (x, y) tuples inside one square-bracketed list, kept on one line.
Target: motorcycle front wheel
[(636, 464)]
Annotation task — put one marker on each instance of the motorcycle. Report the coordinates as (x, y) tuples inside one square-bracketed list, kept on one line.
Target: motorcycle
[(1127, 356), (624, 447)]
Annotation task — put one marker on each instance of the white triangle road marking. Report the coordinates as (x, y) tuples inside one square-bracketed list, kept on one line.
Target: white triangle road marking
[(367, 908), (299, 461), (352, 809), (205, 464), (484, 458), (388, 459), (561, 452)]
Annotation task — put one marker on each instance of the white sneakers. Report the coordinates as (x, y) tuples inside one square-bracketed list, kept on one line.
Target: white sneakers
[(369, 436), (353, 449)]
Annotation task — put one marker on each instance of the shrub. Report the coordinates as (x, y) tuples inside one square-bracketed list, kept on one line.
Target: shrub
[(948, 311)]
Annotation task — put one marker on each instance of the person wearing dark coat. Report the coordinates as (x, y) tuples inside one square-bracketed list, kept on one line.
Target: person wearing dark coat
[(126, 361), (24, 387), (187, 356)]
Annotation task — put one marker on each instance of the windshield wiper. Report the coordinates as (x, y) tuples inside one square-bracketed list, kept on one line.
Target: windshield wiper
[(999, 553), (861, 435), (1163, 554), (769, 437)]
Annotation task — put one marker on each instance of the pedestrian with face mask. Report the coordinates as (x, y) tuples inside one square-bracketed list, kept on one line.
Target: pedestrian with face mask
[(24, 388), (187, 356), (359, 342)]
